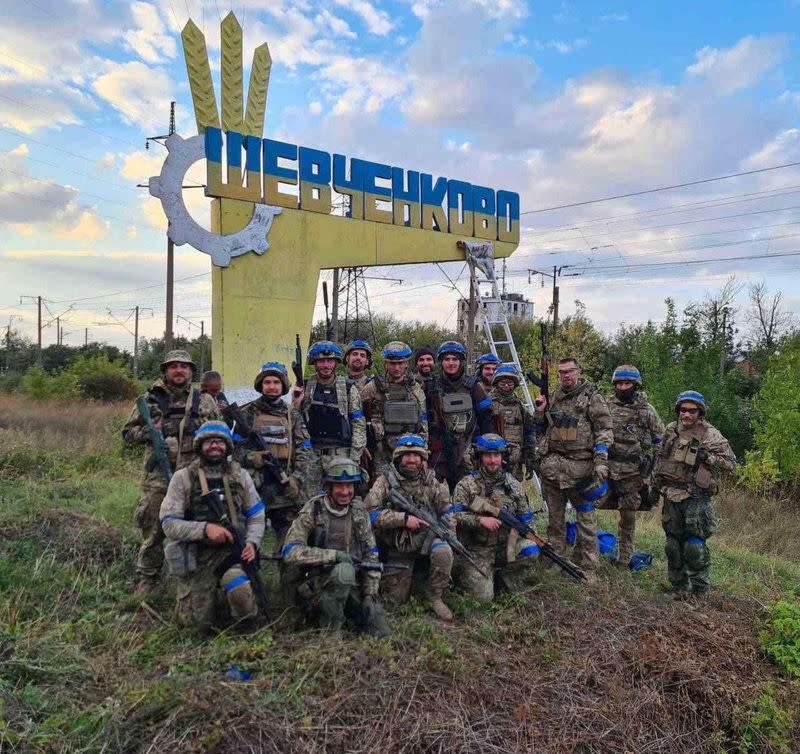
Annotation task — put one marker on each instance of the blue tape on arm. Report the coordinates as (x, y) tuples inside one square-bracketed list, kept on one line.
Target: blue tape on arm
[(525, 517), (584, 507), (600, 448), (455, 508), (288, 548), (529, 551), (238, 581), (484, 404), (356, 415), (254, 510), (305, 444), (373, 515)]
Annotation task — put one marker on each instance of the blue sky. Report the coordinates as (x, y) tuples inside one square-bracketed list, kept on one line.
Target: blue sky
[(563, 102)]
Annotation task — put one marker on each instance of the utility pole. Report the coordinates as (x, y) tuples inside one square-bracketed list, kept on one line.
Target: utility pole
[(136, 343), (85, 336), (504, 278), (471, 317), (555, 274), (202, 346), (335, 307), (39, 333), (123, 323), (58, 331)]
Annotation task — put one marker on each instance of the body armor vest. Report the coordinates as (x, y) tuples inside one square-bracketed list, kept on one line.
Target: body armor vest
[(570, 427), (200, 509), (327, 425), (401, 413), (172, 409), (330, 531), (630, 428), (276, 432), (487, 487), (677, 460), (457, 408), (512, 420)]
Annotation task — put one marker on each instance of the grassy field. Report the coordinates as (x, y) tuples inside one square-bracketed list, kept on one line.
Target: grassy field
[(616, 667)]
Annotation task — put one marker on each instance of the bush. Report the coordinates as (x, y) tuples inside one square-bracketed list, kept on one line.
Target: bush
[(99, 378), (780, 640), (39, 385)]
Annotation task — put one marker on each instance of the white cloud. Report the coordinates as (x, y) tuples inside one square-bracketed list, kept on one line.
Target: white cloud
[(337, 26), (150, 40), (376, 21), (141, 164), (360, 83), (29, 106), (83, 225), (315, 108), (564, 47)]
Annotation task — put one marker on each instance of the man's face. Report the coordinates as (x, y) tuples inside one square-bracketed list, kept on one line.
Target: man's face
[(451, 363), (506, 385), (325, 367), (214, 449), (272, 386), (492, 461), (342, 492), (396, 369), (688, 414), (425, 364), (568, 374), (178, 373), (357, 360), (411, 461), (487, 371), (212, 387), (624, 386)]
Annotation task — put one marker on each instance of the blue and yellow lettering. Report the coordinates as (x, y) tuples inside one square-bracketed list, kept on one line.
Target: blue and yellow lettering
[(354, 187), (459, 208), (483, 205), (373, 193), (508, 216), (274, 175), (432, 195), (315, 180), (405, 201)]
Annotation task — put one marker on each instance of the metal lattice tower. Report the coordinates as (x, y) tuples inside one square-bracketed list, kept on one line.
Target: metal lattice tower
[(357, 314)]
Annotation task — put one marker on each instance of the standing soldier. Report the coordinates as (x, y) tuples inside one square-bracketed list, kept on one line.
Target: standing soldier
[(177, 410), (200, 548), (637, 431), (394, 404), (332, 412), (477, 501), (574, 465), (357, 359), (690, 458), (485, 367), (403, 538), (424, 362), (513, 420), (458, 407), (211, 383), (325, 544), (279, 471)]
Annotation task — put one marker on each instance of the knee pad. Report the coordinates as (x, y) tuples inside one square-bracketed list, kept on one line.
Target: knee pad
[(695, 553), (238, 592), (441, 554)]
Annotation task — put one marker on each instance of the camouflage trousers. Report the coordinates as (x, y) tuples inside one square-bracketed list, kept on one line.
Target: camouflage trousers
[(687, 526), (625, 497), (586, 550), (500, 573), (203, 597), (332, 597), (396, 583), (150, 557)]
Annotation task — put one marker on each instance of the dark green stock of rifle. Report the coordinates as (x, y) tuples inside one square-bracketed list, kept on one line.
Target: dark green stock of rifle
[(440, 530), (160, 454), (543, 380), (297, 364)]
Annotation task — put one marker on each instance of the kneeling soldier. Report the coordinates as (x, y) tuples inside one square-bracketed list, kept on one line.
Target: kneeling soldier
[(325, 544), (199, 543), (403, 538), (477, 500)]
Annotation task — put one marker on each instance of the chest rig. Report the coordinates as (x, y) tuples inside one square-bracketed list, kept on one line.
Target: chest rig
[(275, 429), (631, 431), (569, 421), (510, 409), (457, 408), (327, 420), (677, 460), (401, 413), (211, 496), (179, 414), (331, 531)]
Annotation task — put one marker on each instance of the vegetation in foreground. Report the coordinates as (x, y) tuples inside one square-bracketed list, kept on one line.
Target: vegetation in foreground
[(560, 668)]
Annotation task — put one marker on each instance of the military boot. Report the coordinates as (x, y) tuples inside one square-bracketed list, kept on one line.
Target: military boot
[(440, 610)]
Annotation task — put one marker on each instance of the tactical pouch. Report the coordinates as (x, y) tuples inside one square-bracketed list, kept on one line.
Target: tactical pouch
[(456, 403), (401, 414), (326, 424), (704, 479), (181, 557)]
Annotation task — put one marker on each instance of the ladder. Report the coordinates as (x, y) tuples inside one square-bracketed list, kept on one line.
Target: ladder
[(480, 259)]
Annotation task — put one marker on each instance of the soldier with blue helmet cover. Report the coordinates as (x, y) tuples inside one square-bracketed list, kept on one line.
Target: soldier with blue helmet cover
[(512, 419), (394, 404), (477, 500), (692, 455), (458, 408), (485, 366), (357, 360), (637, 433)]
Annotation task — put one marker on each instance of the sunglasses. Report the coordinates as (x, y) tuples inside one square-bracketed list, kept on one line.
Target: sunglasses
[(688, 410), (567, 371)]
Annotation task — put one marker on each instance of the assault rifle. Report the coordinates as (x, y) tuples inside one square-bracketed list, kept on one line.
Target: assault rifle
[(361, 565), (160, 455), (297, 364), (440, 530), (542, 381), (214, 500), (546, 549)]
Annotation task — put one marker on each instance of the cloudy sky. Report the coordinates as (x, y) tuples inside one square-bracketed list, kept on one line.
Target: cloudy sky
[(565, 102)]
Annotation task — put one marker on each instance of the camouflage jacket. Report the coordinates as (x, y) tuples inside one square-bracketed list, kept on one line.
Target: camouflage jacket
[(482, 494), (637, 430), (181, 411), (360, 383), (382, 396), (389, 524), (322, 529), (348, 402), (183, 516), (688, 462), (513, 421)]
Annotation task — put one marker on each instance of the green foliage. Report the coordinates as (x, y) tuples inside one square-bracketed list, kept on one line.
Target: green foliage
[(780, 639), (768, 727), (760, 472), (39, 385), (99, 378)]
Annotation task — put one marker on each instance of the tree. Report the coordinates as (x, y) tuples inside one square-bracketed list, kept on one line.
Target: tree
[(767, 318)]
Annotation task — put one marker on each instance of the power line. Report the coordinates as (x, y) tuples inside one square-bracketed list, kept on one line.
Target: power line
[(661, 188), (128, 290)]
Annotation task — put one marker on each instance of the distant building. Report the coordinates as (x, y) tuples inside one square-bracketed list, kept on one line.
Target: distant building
[(515, 305)]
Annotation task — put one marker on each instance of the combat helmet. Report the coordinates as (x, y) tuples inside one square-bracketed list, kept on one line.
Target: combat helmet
[(209, 429), (451, 346), (178, 355), (627, 372), (508, 372), (487, 358), (593, 492), (410, 444), (489, 443), (324, 349), (396, 351), (692, 396), (359, 345), (275, 369), (341, 469)]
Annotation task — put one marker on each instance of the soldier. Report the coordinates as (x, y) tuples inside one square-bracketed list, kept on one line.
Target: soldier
[(574, 459), (401, 537), (332, 412), (394, 404), (477, 500), (330, 535), (357, 359), (199, 547), (691, 456), (278, 473), (177, 410), (458, 407), (512, 419), (637, 431), (424, 362), (485, 367), (211, 383)]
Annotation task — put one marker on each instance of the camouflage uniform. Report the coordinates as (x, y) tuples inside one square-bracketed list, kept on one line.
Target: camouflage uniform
[(637, 429), (515, 424), (579, 432), (181, 411), (483, 493), (687, 481), (201, 568), (334, 589), (401, 545), (360, 383)]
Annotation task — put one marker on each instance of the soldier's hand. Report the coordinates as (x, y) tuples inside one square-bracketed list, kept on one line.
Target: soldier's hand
[(490, 523), (366, 457), (255, 459), (343, 557), (413, 523), (601, 472), (702, 455), (298, 394), (249, 553), (292, 488), (540, 403), (218, 535), (172, 447)]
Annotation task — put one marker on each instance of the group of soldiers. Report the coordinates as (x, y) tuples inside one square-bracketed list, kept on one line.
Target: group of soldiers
[(372, 482)]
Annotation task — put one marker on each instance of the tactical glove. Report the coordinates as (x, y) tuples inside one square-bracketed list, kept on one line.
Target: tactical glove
[(255, 459), (702, 455), (172, 447)]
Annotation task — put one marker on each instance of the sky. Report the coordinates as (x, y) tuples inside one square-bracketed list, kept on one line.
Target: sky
[(564, 102)]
